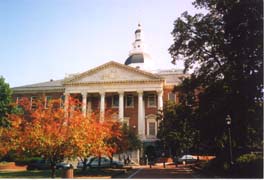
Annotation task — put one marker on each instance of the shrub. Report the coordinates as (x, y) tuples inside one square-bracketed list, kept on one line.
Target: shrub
[(246, 158), (249, 166)]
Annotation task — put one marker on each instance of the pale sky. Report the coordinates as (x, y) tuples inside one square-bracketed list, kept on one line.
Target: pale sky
[(46, 39)]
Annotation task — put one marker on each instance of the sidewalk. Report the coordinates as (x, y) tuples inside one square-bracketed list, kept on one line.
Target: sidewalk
[(156, 172)]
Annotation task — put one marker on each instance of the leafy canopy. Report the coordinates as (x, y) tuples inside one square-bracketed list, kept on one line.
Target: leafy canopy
[(5, 102), (56, 134), (224, 46)]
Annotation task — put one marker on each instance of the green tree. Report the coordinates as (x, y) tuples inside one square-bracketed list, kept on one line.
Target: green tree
[(177, 129), (129, 141), (5, 102), (225, 48)]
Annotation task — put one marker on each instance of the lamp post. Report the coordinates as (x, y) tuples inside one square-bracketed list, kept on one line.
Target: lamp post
[(228, 123)]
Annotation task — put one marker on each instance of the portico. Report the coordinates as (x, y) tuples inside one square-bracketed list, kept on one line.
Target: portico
[(89, 106), (115, 91)]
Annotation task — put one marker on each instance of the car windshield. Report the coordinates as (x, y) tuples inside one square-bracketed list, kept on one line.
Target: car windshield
[(187, 157)]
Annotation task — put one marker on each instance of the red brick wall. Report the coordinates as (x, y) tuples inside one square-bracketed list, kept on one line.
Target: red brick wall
[(166, 91), (131, 112), (55, 95)]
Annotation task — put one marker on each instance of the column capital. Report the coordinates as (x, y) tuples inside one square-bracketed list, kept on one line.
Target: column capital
[(160, 91), (66, 93), (121, 92), (102, 93), (84, 93), (140, 92)]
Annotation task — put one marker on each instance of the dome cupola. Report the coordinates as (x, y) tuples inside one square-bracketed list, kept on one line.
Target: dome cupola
[(138, 58)]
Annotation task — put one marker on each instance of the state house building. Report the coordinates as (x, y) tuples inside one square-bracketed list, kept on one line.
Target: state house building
[(132, 91)]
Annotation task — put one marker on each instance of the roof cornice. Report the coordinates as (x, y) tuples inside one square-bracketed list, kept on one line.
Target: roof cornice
[(115, 82), (113, 63)]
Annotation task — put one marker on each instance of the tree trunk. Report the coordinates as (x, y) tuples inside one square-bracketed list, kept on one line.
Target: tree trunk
[(111, 160), (84, 164), (53, 171)]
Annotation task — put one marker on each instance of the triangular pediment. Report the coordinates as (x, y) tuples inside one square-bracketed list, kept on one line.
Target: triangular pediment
[(112, 72)]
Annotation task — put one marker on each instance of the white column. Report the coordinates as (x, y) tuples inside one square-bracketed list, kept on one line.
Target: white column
[(84, 99), (102, 106), (66, 104), (160, 100), (141, 118), (66, 101), (121, 106)]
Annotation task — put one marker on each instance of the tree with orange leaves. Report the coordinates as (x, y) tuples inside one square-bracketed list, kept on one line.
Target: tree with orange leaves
[(56, 134), (97, 141)]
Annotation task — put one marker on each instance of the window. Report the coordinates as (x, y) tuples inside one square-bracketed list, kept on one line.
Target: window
[(95, 102), (129, 101), (33, 102), (152, 128), (152, 100), (47, 101), (115, 101), (171, 96)]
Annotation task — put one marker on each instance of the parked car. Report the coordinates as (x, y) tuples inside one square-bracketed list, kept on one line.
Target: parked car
[(63, 165), (187, 159), (105, 162), (80, 163), (38, 165)]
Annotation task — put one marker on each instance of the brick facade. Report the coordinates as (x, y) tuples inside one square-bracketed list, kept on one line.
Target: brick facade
[(130, 113)]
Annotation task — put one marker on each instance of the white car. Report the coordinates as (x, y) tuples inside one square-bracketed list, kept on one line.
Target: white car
[(105, 162), (63, 165), (187, 159)]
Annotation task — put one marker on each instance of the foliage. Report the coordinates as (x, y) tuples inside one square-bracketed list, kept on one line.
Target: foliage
[(129, 140), (56, 134), (5, 102), (246, 166), (249, 165), (246, 158), (176, 129), (224, 46)]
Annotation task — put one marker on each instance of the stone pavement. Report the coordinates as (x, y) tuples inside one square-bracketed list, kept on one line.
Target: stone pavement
[(157, 172)]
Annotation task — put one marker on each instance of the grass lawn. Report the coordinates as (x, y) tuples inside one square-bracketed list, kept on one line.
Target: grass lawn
[(77, 173), (29, 174)]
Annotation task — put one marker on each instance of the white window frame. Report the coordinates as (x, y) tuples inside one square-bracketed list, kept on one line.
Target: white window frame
[(174, 94), (31, 99), (46, 101), (155, 100), (113, 97), (126, 105), (152, 120)]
